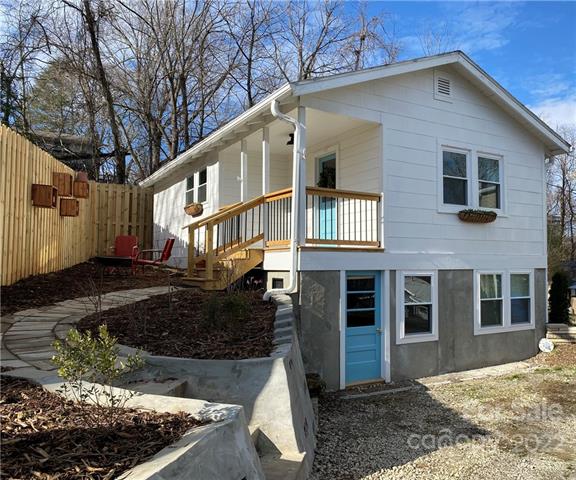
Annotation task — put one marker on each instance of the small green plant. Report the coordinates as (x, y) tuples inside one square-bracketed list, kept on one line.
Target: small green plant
[(226, 311), (84, 357), (559, 300)]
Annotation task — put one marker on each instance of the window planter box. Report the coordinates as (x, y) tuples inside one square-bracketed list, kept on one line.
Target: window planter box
[(477, 216), (194, 209)]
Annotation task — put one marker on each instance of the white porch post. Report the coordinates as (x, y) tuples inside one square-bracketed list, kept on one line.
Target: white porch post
[(265, 160), (302, 200), (243, 170), (265, 179)]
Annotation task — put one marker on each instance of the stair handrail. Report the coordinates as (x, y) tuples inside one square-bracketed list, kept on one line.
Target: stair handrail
[(216, 218)]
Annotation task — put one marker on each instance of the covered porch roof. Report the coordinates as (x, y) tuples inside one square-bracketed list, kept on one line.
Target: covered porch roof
[(287, 96)]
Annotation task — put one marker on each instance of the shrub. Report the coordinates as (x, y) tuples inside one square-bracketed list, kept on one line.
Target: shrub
[(559, 300), (226, 311), (84, 357)]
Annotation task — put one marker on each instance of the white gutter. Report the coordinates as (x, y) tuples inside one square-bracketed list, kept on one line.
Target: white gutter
[(296, 159)]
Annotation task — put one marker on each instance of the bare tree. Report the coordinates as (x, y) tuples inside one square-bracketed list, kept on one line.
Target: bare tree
[(561, 195), (22, 45), (252, 25), (373, 38), (438, 40), (92, 23)]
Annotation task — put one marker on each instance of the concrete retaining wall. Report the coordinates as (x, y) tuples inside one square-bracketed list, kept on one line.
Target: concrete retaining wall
[(221, 450), (272, 390)]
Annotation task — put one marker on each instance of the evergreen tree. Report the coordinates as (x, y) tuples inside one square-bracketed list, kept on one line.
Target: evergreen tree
[(559, 300)]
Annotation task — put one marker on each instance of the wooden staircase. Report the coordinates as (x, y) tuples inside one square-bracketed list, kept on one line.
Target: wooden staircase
[(226, 271), (226, 245)]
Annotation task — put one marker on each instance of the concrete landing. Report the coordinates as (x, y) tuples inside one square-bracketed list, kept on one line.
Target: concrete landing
[(561, 333)]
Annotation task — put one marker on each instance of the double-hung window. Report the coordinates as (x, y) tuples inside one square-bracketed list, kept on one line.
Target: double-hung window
[(470, 179), (489, 191), (417, 307), (520, 298), (455, 177), (491, 300), (196, 185), (504, 301)]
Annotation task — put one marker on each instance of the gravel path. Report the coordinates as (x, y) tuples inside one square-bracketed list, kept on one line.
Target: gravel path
[(520, 426)]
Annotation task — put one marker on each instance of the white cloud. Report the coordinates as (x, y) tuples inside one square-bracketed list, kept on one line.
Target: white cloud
[(546, 85), (557, 111), (469, 27)]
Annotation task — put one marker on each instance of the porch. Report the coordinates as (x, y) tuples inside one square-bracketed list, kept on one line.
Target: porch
[(339, 159), (234, 240)]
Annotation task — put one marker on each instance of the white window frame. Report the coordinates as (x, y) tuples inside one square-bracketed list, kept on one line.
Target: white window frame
[(473, 191), (324, 152), (196, 177), (469, 190), (532, 297), (401, 336), (205, 184), (500, 160), (507, 325)]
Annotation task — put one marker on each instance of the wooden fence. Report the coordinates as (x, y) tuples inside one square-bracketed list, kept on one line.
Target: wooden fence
[(36, 240)]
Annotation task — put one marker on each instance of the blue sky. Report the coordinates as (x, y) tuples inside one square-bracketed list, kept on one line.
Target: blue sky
[(529, 47)]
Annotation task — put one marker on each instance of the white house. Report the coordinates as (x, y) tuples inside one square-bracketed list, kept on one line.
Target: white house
[(389, 282)]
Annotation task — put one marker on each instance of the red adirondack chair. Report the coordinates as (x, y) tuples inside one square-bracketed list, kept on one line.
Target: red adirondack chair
[(124, 245), (165, 254)]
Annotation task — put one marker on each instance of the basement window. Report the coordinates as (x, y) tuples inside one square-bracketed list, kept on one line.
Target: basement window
[(417, 307), (504, 301)]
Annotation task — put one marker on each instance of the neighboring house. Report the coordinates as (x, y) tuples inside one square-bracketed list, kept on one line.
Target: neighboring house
[(389, 282)]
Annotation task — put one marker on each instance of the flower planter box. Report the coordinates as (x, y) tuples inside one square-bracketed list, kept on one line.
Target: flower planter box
[(477, 216), (69, 207), (194, 209), (44, 195), (81, 189), (63, 182)]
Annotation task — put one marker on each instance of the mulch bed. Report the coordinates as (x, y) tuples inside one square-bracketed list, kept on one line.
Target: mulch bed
[(45, 436), (179, 328), (77, 281)]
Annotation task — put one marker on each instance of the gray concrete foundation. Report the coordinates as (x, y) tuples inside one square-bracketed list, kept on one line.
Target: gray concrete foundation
[(456, 349)]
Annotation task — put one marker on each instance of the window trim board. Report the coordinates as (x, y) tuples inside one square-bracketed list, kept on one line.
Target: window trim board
[(472, 153), (195, 189), (507, 325), (401, 337)]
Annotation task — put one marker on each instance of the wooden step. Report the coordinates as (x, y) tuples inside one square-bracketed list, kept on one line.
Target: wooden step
[(227, 271)]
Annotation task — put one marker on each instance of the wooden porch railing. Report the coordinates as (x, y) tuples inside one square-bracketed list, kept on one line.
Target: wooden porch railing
[(342, 217), (333, 217)]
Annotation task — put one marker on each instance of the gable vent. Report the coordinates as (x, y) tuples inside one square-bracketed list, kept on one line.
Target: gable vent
[(443, 86)]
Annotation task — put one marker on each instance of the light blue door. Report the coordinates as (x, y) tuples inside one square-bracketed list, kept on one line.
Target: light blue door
[(327, 221), (363, 326)]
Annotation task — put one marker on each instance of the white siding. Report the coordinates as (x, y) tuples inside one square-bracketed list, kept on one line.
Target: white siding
[(358, 159), (415, 125), (169, 202), (280, 174)]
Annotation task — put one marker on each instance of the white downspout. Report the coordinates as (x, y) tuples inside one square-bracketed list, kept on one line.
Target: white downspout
[(296, 158)]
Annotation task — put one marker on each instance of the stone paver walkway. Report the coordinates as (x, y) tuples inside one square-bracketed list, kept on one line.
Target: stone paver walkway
[(28, 335)]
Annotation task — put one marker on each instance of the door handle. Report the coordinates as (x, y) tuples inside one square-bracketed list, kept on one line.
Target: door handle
[(379, 331)]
